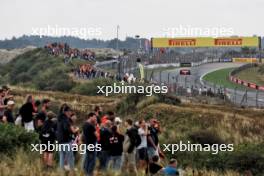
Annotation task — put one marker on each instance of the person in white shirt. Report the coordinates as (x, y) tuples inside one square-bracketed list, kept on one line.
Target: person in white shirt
[(142, 153)]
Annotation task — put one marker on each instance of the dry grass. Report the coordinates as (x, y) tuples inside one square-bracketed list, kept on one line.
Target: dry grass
[(232, 126), (30, 164), (252, 75), (7, 55), (78, 102)]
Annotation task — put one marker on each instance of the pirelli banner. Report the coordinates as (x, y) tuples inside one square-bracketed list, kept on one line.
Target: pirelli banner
[(245, 60), (205, 42)]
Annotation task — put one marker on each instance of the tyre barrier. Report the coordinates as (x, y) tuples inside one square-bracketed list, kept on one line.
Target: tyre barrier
[(236, 80)]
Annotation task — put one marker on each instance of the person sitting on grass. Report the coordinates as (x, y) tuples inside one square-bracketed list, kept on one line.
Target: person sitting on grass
[(154, 166), (171, 169)]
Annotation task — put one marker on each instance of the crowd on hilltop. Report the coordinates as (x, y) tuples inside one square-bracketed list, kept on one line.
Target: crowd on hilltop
[(126, 146), (69, 53), (85, 71), (88, 71)]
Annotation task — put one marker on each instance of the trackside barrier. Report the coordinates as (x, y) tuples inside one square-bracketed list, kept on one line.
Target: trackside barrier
[(233, 79)]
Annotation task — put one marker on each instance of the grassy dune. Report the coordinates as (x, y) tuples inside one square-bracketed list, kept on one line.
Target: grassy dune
[(179, 122), (231, 125), (30, 164), (202, 123), (198, 123), (252, 74)]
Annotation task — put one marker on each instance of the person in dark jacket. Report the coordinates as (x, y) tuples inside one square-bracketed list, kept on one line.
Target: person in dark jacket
[(90, 138), (47, 137), (105, 135), (116, 148), (42, 114), (64, 137), (129, 150), (27, 112)]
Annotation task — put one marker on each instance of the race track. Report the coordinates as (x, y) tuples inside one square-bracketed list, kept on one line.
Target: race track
[(253, 98)]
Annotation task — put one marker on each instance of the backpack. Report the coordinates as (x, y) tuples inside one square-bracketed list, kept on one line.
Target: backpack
[(136, 139), (47, 131)]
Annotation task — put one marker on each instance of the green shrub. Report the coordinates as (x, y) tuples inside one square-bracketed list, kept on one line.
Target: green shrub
[(129, 104), (205, 137), (169, 99), (39, 70), (13, 137), (244, 157), (54, 80), (90, 88), (247, 157), (22, 78)]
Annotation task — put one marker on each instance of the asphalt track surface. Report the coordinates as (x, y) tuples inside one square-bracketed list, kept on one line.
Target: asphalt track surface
[(253, 98)]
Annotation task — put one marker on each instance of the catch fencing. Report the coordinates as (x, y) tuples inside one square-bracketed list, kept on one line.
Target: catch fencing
[(187, 85), (191, 86)]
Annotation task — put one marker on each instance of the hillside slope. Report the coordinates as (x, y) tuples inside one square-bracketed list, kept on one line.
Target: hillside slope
[(7, 55), (37, 69), (253, 75)]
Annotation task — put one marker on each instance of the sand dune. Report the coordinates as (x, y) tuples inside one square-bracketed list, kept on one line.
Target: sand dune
[(8, 55)]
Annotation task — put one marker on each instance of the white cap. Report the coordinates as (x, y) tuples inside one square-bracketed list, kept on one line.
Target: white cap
[(118, 120), (10, 102)]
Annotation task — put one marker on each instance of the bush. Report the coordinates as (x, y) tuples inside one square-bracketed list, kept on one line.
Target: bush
[(244, 157), (23, 77), (2, 80), (205, 137), (169, 99), (90, 88), (134, 102), (13, 137), (40, 70), (54, 80), (129, 104), (248, 157)]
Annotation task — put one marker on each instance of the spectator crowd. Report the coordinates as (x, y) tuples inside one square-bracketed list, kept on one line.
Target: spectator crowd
[(126, 146), (64, 49), (88, 71)]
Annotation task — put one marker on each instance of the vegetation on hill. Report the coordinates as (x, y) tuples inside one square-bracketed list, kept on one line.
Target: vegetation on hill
[(24, 41), (196, 123), (253, 75), (8, 55), (207, 124), (12, 138), (38, 70)]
